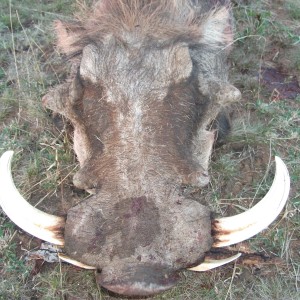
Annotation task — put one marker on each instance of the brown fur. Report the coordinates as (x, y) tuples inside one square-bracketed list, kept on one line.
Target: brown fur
[(149, 78), (159, 21)]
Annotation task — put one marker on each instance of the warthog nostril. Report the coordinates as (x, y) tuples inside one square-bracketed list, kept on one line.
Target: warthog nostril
[(141, 280)]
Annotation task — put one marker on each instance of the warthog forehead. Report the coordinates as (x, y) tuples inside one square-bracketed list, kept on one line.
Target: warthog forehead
[(139, 69)]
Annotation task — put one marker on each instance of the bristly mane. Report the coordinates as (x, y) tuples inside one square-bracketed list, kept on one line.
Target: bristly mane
[(146, 22)]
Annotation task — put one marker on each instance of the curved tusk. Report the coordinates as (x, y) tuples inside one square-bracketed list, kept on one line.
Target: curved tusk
[(74, 262), (39, 224), (209, 264), (232, 230)]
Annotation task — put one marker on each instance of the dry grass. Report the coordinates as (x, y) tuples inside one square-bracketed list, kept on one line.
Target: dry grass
[(268, 35)]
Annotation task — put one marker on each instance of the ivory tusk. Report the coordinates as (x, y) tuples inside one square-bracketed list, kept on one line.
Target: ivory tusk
[(232, 230), (209, 264), (39, 224), (76, 263)]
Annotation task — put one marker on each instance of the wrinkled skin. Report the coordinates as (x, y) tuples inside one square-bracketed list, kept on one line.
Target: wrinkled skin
[(141, 113)]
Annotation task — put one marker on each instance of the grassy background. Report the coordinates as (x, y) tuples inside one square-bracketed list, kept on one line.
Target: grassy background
[(265, 123)]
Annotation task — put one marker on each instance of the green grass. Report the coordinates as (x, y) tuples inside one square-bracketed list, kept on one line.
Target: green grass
[(293, 8), (241, 171), (43, 157)]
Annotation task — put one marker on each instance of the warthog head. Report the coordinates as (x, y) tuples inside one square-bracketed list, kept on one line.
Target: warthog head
[(148, 80)]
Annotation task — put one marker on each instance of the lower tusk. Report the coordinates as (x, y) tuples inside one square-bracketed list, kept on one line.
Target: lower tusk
[(39, 224), (232, 230), (76, 263), (209, 264)]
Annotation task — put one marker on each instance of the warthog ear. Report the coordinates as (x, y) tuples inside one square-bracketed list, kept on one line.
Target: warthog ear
[(68, 35), (217, 30)]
